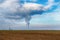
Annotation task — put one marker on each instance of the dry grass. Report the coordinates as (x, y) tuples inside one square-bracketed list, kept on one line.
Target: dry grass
[(29, 35)]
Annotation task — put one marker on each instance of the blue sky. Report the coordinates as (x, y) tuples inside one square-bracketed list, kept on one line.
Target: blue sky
[(41, 14)]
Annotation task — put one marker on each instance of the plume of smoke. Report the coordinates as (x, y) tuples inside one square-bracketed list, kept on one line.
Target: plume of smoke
[(27, 19)]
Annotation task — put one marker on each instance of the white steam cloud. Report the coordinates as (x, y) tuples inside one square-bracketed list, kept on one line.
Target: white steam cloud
[(12, 9)]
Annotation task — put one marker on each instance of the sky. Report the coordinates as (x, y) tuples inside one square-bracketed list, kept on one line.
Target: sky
[(35, 14)]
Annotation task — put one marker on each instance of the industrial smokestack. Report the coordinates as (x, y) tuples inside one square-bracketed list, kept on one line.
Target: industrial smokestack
[(28, 24)]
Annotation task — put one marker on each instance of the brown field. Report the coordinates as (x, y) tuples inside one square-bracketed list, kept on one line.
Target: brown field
[(29, 35)]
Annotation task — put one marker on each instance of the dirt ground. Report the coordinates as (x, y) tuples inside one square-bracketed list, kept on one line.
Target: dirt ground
[(29, 35)]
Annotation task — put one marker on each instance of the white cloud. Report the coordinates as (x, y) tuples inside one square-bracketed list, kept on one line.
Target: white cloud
[(32, 6), (10, 5), (50, 3)]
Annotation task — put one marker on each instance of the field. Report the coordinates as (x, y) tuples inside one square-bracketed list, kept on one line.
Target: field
[(29, 35)]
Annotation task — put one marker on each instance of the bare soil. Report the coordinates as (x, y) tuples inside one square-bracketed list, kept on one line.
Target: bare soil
[(29, 35)]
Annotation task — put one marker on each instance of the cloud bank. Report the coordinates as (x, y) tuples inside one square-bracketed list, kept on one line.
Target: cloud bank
[(12, 10)]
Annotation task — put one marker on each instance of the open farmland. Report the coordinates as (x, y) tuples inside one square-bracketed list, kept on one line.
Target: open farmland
[(29, 35)]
